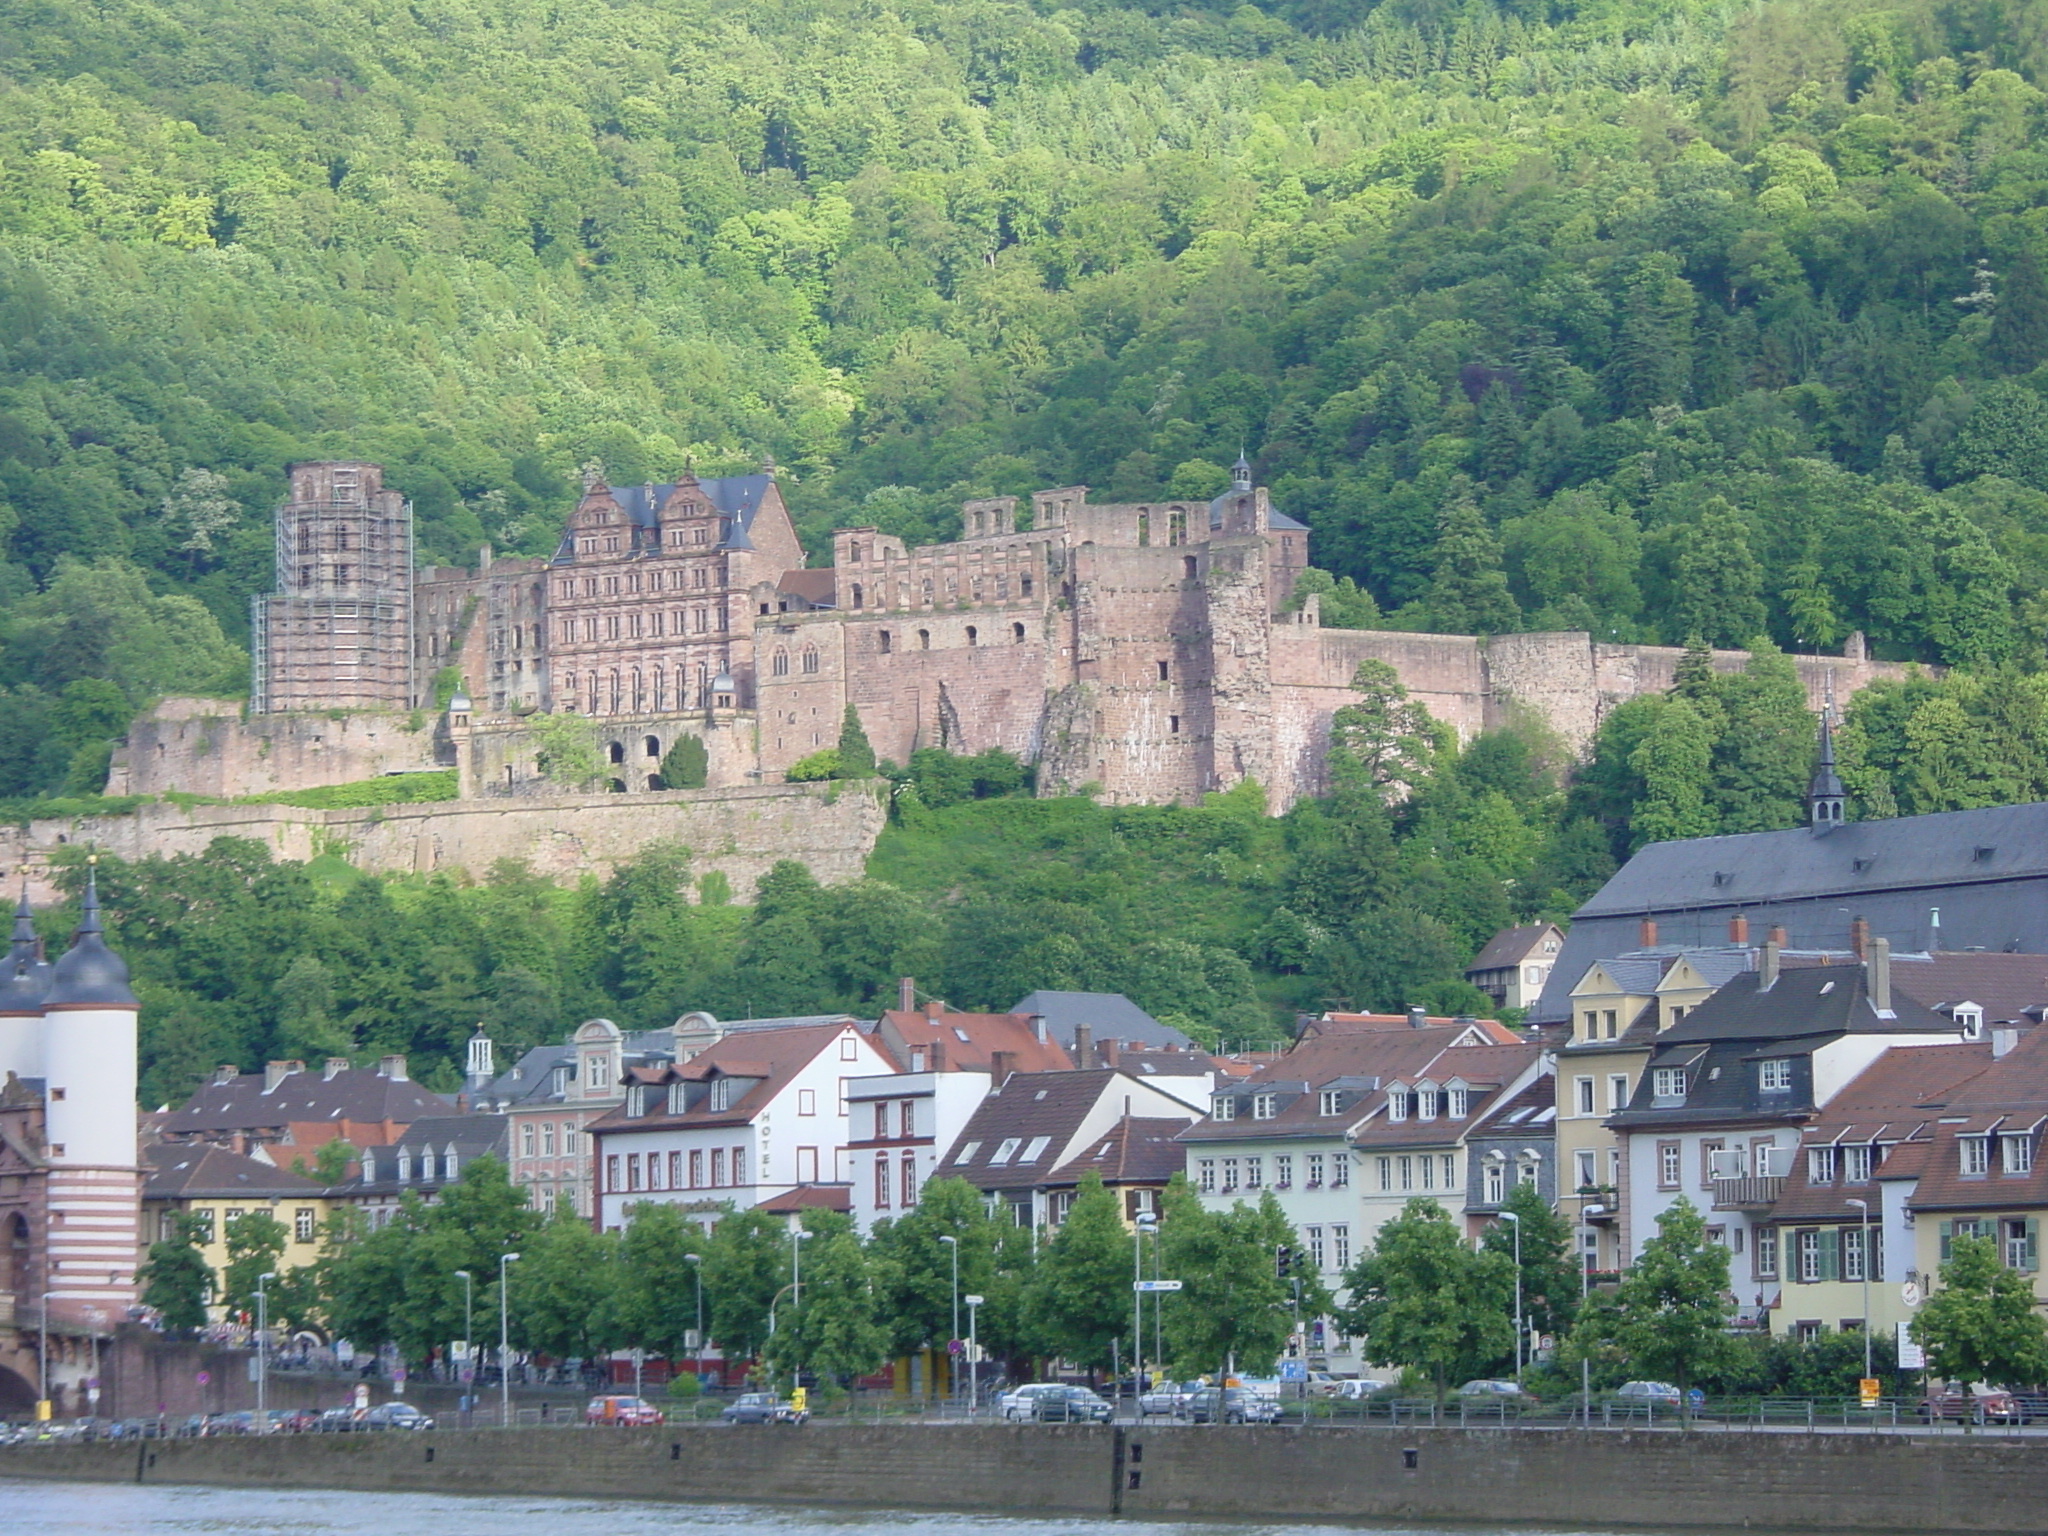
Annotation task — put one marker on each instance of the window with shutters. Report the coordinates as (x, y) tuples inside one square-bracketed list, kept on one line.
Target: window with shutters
[(1765, 1254), (2020, 1242)]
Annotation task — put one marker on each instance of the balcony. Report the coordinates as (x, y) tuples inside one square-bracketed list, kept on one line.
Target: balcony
[(1752, 1194)]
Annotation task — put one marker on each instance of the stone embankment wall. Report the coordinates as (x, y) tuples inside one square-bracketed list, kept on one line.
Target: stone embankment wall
[(1655, 1479), (742, 833)]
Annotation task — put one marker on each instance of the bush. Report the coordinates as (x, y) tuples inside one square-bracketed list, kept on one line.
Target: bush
[(391, 789), (686, 765), (816, 768)]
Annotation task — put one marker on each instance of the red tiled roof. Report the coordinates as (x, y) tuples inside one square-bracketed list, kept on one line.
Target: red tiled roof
[(810, 1197), (969, 1041), (1135, 1151)]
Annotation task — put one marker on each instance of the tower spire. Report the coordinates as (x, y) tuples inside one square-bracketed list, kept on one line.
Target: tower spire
[(1825, 795)]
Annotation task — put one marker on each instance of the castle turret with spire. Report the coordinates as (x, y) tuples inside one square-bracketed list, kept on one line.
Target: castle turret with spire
[(1825, 796)]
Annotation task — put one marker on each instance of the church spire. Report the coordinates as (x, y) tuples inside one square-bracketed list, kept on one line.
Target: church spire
[(1825, 796)]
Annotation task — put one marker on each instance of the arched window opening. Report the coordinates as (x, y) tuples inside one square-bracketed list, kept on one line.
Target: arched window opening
[(856, 595), (973, 635), (924, 639), (1017, 633), (617, 751), (810, 660), (781, 664), (652, 745)]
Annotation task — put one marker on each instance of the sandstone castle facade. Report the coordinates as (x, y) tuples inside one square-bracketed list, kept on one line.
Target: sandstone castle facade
[(1145, 650)]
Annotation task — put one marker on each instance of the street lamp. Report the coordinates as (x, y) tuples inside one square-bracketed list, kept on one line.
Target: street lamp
[(1864, 1207), (467, 1374), (696, 1262), (798, 1236), (1586, 1256), (1511, 1216), (1144, 1224), (43, 1359), (504, 1343), (973, 1353), (262, 1355)]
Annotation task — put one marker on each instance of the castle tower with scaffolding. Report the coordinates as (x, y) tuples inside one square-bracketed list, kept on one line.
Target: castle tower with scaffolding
[(337, 631)]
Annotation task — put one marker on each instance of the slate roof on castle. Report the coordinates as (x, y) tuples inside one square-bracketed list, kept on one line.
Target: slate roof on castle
[(1985, 871), (737, 497)]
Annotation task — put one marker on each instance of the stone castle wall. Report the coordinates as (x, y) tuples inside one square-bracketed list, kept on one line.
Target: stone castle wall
[(739, 832), (208, 747)]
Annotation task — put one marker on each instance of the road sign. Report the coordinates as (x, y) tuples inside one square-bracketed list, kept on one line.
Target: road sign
[(1911, 1356), (1294, 1370), (1870, 1389), (1147, 1287)]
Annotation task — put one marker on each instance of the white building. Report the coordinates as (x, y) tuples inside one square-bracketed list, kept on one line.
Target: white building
[(757, 1115)]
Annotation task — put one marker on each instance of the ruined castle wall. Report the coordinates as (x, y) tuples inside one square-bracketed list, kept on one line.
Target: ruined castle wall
[(206, 747), (501, 756), (740, 832)]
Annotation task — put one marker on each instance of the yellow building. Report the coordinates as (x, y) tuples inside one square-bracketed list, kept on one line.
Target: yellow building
[(218, 1186), (1619, 1007)]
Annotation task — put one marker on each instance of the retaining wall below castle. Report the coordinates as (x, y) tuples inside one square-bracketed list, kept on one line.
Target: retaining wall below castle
[(741, 833), (1659, 1480)]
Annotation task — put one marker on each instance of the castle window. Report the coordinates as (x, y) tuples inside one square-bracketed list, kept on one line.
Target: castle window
[(616, 751), (652, 746), (1164, 670), (973, 635), (1173, 724), (633, 625), (882, 637), (1017, 633), (1026, 583), (856, 595), (697, 578), (569, 689), (1144, 528), (639, 695), (594, 684), (654, 623), (614, 679), (781, 664), (1002, 588), (924, 639), (1187, 567), (927, 589), (810, 660), (611, 586), (853, 555), (1177, 526)]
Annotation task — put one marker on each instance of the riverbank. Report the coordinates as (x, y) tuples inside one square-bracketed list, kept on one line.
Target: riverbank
[(1644, 1479)]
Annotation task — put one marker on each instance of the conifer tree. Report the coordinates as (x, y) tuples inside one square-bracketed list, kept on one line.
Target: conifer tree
[(1719, 581), (1468, 590), (2018, 342), (856, 756)]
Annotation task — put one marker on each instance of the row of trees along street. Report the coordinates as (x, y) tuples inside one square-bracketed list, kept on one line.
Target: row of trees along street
[(1425, 1299)]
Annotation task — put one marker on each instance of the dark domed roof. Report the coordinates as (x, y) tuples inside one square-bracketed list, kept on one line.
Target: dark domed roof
[(24, 975), (90, 974)]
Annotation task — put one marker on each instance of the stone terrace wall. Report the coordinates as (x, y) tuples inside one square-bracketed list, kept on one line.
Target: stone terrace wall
[(740, 832), (206, 747), (1575, 1479)]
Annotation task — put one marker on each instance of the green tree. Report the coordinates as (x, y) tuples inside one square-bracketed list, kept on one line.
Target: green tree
[(2006, 434), (1080, 1297), (828, 1324), (176, 1279), (2018, 342), (746, 1265), (306, 1027), (913, 1269), (1718, 579), (1671, 1309), (655, 1296), (566, 746), (566, 1298), (1233, 1306), (1423, 1298), (1982, 1323), (1550, 1268), (1468, 588), (686, 764), (856, 756), (1674, 764), (256, 1241), (1384, 744)]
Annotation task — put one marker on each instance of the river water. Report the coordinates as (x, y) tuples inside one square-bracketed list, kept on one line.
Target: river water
[(124, 1509)]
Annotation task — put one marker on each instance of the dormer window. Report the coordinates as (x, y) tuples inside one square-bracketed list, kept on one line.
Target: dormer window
[(597, 1074), (405, 1167), (1774, 1075), (1820, 1165), (721, 1093), (427, 1166), (1461, 1103), (1668, 1083), (1330, 1102), (636, 1100), (1397, 1103), (448, 1166), (1856, 1164), (1425, 1103), (1223, 1107), (678, 1099), (1976, 1155), (2016, 1153), (1263, 1105), (1971, 1017)]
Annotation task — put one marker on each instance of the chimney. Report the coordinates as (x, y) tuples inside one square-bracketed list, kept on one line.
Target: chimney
[(1084, 1046), (1000, 1065), (392, 1067), (1647, 935), (1770, 963), (1933, 929), (2002, 1041), (1038, 1027), (275, 1072), (1859, 937), (1417, 1018), (1738, 929), (1879, 969), (1111, 1052), (336, 1065), (906, 994), (937, 1056), (1778, 935), (227, 1072), (934, 1006)]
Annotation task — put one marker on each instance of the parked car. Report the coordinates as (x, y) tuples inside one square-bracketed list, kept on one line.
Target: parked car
[(761, 1408), (1071, 1405), (1650, 1396), (1495, 1389), (1231, 1405), (1016, 1404), (2030, 1404), (625, 1412), (1359, 1390), (1991, 1405), (1167, 1399), (394, 1416), (335, 1421)]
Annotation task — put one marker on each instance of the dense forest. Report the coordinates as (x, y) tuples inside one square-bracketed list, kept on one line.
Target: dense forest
[(1656, 318)]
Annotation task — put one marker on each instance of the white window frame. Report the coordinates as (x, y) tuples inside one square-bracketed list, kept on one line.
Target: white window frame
[(1774, 1074)]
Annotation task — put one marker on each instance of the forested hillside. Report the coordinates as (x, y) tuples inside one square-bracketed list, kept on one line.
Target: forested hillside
[(1655, 318)]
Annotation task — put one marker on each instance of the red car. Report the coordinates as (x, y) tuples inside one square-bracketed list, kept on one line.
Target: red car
[(626, 1412), (1990, 1406)]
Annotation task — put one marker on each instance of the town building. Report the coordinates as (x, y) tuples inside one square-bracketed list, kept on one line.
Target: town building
[(431, 1155), (1718, 1107), (216, 1188), (1031, 1140), (70, 1169), (1346, 1128), (756, 1115), (1515, 964), (1069, 1016), (294, 1112)]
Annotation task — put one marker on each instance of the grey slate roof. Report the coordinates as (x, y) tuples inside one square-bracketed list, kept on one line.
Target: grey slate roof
[(530, 1080), (359, 1093), (1985, 870), (188, 1172), (468, 1136), (737, 496), (1110, 1015)]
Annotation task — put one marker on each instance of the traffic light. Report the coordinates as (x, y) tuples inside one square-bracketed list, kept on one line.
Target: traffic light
[(1283, 1261)]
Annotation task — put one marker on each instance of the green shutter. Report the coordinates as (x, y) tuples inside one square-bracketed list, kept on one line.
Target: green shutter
[(1831, 1254), (2033, 1249), (1948, 1232)]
